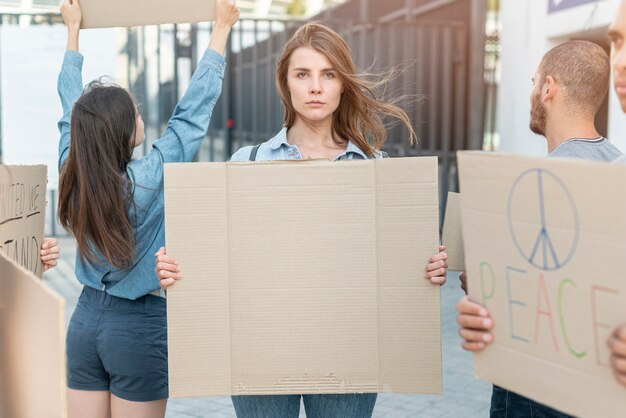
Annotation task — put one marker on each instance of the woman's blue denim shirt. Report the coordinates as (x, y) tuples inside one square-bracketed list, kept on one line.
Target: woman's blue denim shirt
[(185, 132), (278, 148)]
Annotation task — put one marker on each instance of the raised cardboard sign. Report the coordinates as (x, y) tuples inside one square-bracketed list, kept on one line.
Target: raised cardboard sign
[(303, 277), (545, 241), (32, 346), (124, 13), (22, 214), (452, 236)]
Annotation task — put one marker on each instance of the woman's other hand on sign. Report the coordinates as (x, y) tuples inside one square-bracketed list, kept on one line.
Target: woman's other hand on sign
[(436, 267), (226, 15), (476, 324), (463, 278), (167, 269), (49, 253), (72, 16), (617, 345)]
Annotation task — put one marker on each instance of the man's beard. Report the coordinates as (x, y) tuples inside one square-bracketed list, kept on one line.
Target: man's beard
[(538, 115)]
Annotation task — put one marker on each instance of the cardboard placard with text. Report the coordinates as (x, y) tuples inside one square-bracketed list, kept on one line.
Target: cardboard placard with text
[(303, 277), (32, 346), (22, 214), (452, 236), (124, 13), (545, 246)]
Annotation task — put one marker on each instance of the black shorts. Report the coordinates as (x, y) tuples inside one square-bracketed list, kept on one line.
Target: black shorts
[(118, 345)]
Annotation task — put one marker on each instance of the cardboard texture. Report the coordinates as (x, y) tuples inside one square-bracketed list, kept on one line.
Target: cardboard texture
[(545, 241), (32, 343), (124, 13), (303, 277), (452, 236), (22, 214)]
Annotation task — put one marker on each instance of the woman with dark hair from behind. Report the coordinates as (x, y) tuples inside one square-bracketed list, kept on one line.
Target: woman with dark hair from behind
[(113, 205), (331, 113)]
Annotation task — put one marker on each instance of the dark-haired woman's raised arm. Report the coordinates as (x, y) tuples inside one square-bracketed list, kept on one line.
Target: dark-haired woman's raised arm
[(70, 86)]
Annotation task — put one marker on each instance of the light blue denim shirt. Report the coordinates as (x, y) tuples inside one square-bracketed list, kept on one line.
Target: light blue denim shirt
[(185, 132), (278, 148)]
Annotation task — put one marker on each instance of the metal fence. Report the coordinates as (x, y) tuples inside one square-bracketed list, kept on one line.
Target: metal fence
[(430, 59), (430, 62)]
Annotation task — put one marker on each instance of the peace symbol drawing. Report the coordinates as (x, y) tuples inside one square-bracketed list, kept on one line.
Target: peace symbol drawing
[(543, 219)]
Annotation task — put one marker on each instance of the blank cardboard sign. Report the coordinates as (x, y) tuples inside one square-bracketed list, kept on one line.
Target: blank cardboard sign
[(22, 214), (303, 277), (32, 346), (452, 236), (544, 252), (125, 13)]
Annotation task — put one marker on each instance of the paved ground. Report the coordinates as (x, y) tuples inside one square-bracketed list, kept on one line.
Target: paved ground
[(463, 396)]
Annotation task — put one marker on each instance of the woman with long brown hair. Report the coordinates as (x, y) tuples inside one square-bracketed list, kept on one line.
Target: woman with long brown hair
[(113, 205), (332, 113)]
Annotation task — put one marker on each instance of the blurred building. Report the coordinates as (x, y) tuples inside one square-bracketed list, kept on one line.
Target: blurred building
[(529, 30)]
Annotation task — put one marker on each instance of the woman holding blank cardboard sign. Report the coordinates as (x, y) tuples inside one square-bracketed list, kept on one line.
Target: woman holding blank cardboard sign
[(330, 113), (113, 205)]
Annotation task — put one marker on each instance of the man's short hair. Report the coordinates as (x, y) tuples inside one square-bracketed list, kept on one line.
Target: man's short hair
[(582, 70)]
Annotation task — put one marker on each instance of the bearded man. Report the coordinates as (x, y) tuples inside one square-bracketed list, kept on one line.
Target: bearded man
[(569, 86)]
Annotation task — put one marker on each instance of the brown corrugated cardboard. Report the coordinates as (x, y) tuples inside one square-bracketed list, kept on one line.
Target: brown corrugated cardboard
[(124, 13), (303, 277), (452, 236), (545, 241), (32, 346), (22, 214)]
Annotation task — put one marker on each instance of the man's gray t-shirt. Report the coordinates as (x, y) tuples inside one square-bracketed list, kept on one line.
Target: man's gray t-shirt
[(599, 149)]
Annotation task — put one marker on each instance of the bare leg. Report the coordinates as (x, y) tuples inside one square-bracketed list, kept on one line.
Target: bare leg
[(88, 403), (121, 408)]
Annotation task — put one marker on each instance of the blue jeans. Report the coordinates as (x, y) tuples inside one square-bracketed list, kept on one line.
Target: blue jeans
[(506, 404), (316, 406)]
